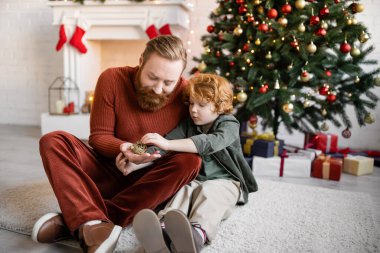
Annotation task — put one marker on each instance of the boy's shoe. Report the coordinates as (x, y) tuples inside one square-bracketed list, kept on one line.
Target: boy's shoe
[(50, 228), (183, 235), (148, 230), (99, 238)]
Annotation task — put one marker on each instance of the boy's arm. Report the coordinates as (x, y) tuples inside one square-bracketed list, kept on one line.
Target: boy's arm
[(179, 145)]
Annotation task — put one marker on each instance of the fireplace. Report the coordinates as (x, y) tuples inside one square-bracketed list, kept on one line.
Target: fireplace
[(116, 37)]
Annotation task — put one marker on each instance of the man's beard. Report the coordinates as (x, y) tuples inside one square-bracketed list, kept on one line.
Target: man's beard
[(146, 98)]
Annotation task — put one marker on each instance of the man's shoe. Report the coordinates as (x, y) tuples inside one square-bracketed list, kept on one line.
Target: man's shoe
[(99, 238), (183, 235), (148, 231), (50, 228)]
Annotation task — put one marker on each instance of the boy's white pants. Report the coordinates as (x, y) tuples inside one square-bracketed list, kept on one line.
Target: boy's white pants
[(206, 203)]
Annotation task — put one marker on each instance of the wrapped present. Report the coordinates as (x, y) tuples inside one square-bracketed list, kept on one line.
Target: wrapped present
[(358, 165), (327, 168), (328, 143), (310, 153), (377, 161), (292, 166), (263, 148)]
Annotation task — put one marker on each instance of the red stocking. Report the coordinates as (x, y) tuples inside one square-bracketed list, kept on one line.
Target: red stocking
[(62, 35), (76, 39)]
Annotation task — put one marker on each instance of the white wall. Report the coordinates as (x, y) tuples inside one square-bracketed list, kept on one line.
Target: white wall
[(29, 62)]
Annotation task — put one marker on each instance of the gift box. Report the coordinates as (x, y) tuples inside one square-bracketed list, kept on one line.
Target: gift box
[(310, 153), (327, 143), (327, 168), (263, 148), (293, 166), (377, 161), (358, 165)]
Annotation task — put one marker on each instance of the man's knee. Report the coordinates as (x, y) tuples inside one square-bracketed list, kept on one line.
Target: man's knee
[(51, 139), (188, 162)]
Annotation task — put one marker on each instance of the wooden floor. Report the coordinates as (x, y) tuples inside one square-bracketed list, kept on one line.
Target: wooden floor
[(20, 163)]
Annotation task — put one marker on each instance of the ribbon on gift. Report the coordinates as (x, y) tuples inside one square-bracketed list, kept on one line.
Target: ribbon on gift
[(276, 147), (326, 168), (248, 146), (283, 156), (269, 136)]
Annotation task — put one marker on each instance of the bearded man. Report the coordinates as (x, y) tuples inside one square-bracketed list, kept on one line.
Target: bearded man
[(95, 197)]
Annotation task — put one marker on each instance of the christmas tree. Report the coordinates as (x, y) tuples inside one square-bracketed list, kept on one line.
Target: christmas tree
[(297, 63)]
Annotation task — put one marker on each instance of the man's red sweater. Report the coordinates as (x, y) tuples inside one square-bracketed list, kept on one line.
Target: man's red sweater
[(116, 116)]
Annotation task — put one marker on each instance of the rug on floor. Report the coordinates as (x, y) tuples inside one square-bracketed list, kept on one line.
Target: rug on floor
[(280, 217)]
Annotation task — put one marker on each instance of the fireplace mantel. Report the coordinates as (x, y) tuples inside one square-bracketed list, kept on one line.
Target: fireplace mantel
[(113, 20)]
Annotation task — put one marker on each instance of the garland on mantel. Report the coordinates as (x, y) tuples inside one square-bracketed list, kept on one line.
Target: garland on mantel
[(82, 1)]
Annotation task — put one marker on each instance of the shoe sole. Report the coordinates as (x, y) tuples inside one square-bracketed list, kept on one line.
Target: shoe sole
[(39, 223), (148, 231), (180, 231), (110, 243)]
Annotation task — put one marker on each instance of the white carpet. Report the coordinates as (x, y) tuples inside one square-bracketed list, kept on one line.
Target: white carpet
[(281, 217)]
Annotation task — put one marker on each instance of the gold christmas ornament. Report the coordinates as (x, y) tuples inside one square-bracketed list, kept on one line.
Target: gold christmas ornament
[(257, 42), (260, 9), (363, 37), (369, 119), (207, 50), (290, 66), (324, 25), (325, 127), (300, 4), (354, 21), (355, 51), (243, 68), (241, 96), (311, 48), (349, 21), (227, 73), (283, 21), (288, 107), (357, 79), (355, 7), (257, 2), (202, 66), (217, 11), (301, 28), (238, 31), (306, 103), (324, 112), (268, 56), (377, 81)]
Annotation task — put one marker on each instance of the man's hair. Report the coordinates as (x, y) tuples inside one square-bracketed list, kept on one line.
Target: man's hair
[(168, 46), (211, 88)]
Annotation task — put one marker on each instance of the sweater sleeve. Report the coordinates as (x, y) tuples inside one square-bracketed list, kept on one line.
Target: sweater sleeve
[(102, 121)]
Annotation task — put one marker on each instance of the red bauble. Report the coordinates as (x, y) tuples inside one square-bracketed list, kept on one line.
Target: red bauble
[(218, 54), (246, 47), (314, 20), (346, 133), (231, 63), (263, 89), (272, 13), (324, 90), (239, 1), (324, 11), (337, 1), (266, 85), (263, 28), (242, 9), (220, 36), (210, 28), (294, 44), (331, 97), (321, 32), (286, 8), (304, 73), (253, 119), (250, 19), (328, 73), (345, 48)]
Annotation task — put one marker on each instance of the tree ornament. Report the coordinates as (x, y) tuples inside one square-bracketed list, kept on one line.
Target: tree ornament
[(263, 27), (369, 119), (277, 85), (324, 11), (253, 119), (242, 9), (311, 48), (377, 81), (363, 37), (286, 8), (218, 53), (268, 56), (336, 1), (241, 96), (260, 9), (263, 89), (345, 47), (328, 73), (325, 127), (321, 32), (250, 18), (238, 30), (306, 103), (202, 66), (301, 28), (305, 77), (349, 21), (272, 13), (355, 7), (257, 42), (294, 43), (239, 1), (290, 66), (357, 79), (246, 47), (288, 107), (354, 21), (346, 133), (210, 28), (283, 21), (324, 90), (217, 11), (232, 64), (331, 97), (314, 20), (324, 112), (324, 25), (257, 2), (300, 4), (355, 51)]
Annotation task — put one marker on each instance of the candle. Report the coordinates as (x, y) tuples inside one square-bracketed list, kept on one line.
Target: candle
[(59, 105)]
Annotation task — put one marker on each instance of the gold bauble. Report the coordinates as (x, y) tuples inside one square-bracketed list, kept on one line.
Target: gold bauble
[(354, 21), (257, 2), (300, 4), (324, 112), (283, 21), (363, 37), (311, 48), (238, 31), (268, 56), (325, 127), (355, 7), (324, 25), (288, 107), (377, 81), (257, 42), (290, 66), (260, 9), (369, 119), (357, 79), (202, 66), (349, 21), (241, 96), (306, 103), (301, 28), (355, 51), (217, 11)]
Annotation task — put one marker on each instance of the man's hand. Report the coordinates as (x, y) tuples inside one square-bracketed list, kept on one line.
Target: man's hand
[(155, 139), (135, 158)]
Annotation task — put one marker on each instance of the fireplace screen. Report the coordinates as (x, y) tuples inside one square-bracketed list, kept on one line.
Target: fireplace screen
[(63, 96)]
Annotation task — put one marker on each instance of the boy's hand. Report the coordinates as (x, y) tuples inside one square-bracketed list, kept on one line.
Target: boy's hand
[(123, 165), (155, 139), (135, 158)]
